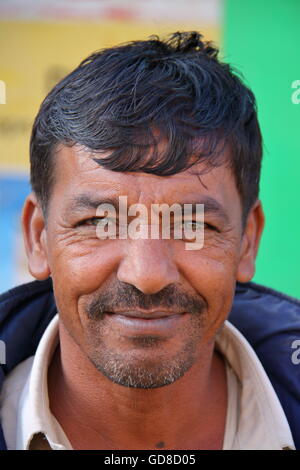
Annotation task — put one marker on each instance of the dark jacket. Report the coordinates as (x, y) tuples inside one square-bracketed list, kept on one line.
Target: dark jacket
[(268, 319)]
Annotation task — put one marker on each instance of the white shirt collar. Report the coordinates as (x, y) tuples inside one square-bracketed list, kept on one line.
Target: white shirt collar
[(261, 422), (34, 414), (255, 418)]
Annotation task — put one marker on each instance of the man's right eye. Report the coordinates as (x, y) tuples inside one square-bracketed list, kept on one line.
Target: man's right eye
[(94, 221)]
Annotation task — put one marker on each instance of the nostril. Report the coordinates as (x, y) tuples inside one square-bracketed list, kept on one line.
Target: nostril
[(146, 282), (148, 265)]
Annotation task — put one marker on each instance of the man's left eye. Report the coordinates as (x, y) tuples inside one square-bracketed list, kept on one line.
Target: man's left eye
[(193, 225), (196, 225)]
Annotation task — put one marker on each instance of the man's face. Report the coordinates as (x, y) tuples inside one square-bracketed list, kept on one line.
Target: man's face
[(109, 291)]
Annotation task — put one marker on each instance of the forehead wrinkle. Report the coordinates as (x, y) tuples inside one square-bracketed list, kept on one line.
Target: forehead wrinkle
[(158, 189)]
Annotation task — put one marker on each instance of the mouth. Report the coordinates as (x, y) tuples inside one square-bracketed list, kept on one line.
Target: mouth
[(146, 314), (147, 322)]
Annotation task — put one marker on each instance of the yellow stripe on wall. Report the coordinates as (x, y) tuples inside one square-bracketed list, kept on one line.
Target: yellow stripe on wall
[(35, 55)]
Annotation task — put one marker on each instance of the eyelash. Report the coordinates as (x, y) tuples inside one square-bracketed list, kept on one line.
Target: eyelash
[(85, 222)]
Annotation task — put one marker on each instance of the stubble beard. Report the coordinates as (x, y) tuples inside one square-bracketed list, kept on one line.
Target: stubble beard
[(146, 361), (145, 373)]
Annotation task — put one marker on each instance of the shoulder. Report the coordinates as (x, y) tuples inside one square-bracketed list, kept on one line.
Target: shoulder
[(270, 320)]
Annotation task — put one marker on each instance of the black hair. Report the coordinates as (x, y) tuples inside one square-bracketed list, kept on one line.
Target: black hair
[(126, 99)]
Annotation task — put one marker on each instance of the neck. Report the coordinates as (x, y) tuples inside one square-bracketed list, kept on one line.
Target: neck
[(96, 413)]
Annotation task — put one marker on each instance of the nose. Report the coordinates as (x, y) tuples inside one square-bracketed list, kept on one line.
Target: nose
[(148, 265)]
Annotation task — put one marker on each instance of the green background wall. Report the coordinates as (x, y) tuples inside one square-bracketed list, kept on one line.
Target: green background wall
[(262, 39)]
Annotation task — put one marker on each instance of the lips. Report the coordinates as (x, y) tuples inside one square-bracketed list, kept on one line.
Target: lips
[(141, 322), (146, 315)]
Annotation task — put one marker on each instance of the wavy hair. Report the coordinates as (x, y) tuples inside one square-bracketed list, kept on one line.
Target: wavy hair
[(129, 98)]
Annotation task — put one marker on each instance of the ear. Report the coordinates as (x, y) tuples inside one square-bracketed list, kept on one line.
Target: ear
[(250, 243), (34, 234)]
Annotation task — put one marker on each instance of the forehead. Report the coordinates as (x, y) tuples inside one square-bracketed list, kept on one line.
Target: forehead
[(75, 172)]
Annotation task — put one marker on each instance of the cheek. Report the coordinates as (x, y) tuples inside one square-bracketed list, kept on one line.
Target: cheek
[(77, 274), (83, 269), (213, 265), (213, 276)]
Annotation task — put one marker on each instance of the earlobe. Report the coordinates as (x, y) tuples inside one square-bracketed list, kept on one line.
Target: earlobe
[(34, 234), (250, 243)]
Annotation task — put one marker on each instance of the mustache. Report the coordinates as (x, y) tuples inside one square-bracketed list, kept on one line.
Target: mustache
[(125, 296)]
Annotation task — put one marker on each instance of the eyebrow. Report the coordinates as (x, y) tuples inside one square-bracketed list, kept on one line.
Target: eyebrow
[(86, 201), (211, 206)]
